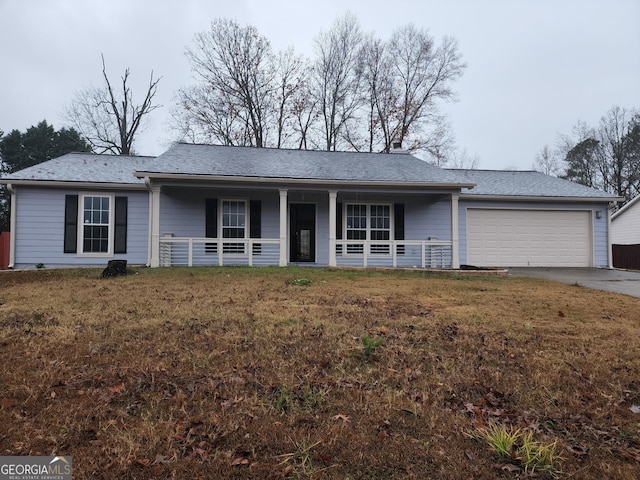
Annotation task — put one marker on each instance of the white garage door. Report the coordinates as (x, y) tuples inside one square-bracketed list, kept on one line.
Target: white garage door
[(529, 238)]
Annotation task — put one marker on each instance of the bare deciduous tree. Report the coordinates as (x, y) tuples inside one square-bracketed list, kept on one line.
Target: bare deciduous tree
[(109, 119), (426, 74), (358, 94), (245, 94), (546, 161), (292, 72), (380, 94), (234, 62), (337, 77), (406, 78), (461, 158), (606, 157), (205, 115), (618, 155)]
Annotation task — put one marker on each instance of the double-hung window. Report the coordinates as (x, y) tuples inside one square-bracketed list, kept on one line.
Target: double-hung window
[(356, 227), (380, 228), (96, 224), (234, 215), (368, 222)]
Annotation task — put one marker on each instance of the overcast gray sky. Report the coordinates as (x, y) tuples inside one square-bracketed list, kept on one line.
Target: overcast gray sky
[(535, 67)]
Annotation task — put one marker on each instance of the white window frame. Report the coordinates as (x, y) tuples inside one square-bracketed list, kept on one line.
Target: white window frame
[(355, 251), (110, 225), (241, 240)]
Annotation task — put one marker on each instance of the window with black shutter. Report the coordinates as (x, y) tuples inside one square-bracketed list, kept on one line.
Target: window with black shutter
[(70, 224), (120, 225)]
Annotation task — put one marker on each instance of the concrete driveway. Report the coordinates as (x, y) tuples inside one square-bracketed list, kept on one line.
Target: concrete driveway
[(619, 281)]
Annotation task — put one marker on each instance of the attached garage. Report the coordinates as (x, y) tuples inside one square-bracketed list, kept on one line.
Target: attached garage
[(529, 238)]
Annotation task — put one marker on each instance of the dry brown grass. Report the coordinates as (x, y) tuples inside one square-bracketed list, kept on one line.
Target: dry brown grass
[(260, 373)]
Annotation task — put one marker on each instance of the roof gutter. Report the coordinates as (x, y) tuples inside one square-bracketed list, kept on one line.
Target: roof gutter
[(72, 184), (532, 198), (297, 181)]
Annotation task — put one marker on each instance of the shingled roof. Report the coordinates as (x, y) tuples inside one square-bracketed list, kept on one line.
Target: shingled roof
[(193, 160), (268, 163), (505, 183), (83, 168)]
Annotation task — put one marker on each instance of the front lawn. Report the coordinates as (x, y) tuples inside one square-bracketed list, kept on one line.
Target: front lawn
[(314, 373)]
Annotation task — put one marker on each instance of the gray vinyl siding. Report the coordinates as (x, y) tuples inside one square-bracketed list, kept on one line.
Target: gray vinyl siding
[(39, 230), (183, 214), (182, 211), (600, 229)]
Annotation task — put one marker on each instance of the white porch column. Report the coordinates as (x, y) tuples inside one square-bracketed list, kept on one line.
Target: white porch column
[(455, 254), (333, 195), (283, 228), (12, 227), (609, 243), (154, 225)]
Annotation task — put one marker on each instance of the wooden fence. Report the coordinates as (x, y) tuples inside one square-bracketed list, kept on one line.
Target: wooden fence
[(626, 256), (4, 249)]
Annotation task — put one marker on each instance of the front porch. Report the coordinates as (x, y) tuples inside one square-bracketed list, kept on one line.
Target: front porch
[(257, 226), (189, 252)]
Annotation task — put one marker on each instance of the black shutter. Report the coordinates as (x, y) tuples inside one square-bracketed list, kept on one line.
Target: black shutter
[(211, 223), (255, 224), (398, 230), (70, 223), (339, 227), (255, 219), (120, 231)]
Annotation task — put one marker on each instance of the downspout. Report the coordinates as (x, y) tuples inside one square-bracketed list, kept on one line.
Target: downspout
[(12, 226)]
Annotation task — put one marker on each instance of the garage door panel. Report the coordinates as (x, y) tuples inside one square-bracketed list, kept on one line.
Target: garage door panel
[(515, 238)]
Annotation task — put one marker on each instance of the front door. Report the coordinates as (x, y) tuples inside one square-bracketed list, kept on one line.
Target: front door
[(302, 228)]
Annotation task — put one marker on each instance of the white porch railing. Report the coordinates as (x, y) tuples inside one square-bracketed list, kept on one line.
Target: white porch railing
[(189, 251), (394, 253)]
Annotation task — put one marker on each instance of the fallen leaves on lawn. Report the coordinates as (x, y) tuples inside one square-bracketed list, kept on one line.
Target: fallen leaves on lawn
[(117, 388), (231, 402), (341, 417)]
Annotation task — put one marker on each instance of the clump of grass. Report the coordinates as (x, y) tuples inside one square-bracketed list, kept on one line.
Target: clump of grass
[(304, 398), (369, 346), (283, 400), (301, 460), (519, 447), (303, 282)]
